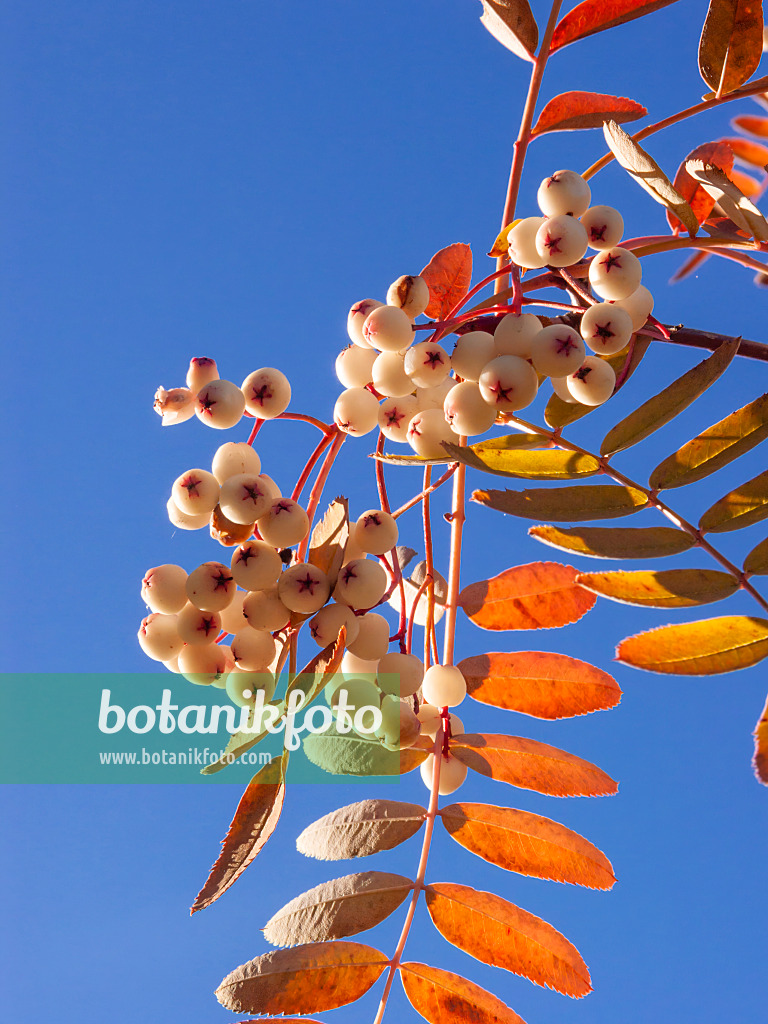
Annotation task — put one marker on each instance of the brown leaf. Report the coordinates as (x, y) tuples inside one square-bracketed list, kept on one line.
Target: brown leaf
[(529, 764), (442, 997), (226, 532), (254, 822), (513, 25), (329, 539), (719, 154), (593, 16), (647, 173), (731, 43), (760, 760), (360, 829), (756, 562), (305, 979), (615, 542), (670, 588), (539, 683), (751, 124), (749, 152), (502, 935), (528, 844), (574, 110), (448, 275), (730, 199), (338, 908), (566, 504), (742, 507), (705, 648), (541, 595)]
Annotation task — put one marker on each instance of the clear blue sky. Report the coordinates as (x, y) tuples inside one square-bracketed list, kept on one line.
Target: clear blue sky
[(225, 179)]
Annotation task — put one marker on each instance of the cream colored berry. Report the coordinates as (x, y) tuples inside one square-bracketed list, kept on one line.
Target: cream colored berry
[(639, 305), (253, 649), (593, 383), (560, 388), (466, 411), (615, 273), (256, 565), (220, 404), (427, 431), (522, 244), (400, 674), (357, 316), (353, 666), (452, 774), (372, 641), (325, 626), (563, 192), (471, 353), (245, 498), (444, 686), (558, 350), (361, 584), (356, 412), (606, 328), (389, 376), (159, 637), (211, 586), (196, 626), (388, 329), (184, 521), (394, 416), (204, 664), (202, 370), (354, 366), (561, 241), (433, 398), (233, 617), (263, 609), (604, 226), (284, 524), (243, 687), (162, 588), (430, 719), (303, 588), (411, 294), (514, 335), (508, 383), (233, 459), (427, 364), (195, 492), (267, 393), (375, 531)]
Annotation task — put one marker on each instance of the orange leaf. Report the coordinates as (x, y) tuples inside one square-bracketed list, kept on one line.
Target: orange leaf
[(539, 683), (731, 43), (748, 152), (748, 185), (760, 760), (703, 648), (598, 15), (448, 275), (573, 110), (700, 201), (752, 124), (503, 935), (528, 844), (541, 595), (305, 979), (442, 997), (529, 764), (254, 822), (690, 265)]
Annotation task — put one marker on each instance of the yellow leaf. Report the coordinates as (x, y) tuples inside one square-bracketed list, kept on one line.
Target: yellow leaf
[(502, 935), (756, 561), (566, 504), (527, 465), (670, 588), (442, 997), (744, 506), (668, 403), (715, 447), (703, 648), (615, 542), (541, 595), (501, 243)]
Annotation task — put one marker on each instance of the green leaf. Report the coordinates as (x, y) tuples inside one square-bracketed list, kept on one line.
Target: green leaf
[(744, 506), (566, 504), (350, 754), (671, 588), (715, 447), (548, 464), (615, 541), (756, 561), (668, 403), (703, 648)]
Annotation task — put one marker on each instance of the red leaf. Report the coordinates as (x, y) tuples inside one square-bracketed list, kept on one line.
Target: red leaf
[(573, 110), (448, 275), (598, 15), (700, 201), (752, 124), (750, 186), (749, 152), (541, 595)]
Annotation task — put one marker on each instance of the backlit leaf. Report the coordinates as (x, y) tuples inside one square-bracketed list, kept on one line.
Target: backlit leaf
[(350, 754), (752, 124), (598, 15), (528, 844), (329, 538), (500, 245), (703, 648), (664, 406), (254, 822), (731, 43), (442, 997), (448, 275), (338, 908), (541, 595), (512, 24), (550, 464), (647, 173), (749, 152), (573, 110), (539, 683), (615, 541), (715, 447), (719, 154), (529, 764), (743, 506), (360, 829), (670, 588), (502, 935), (306, 979), (756, 561), (732, 201), (745, 183), (760, 760), (566, 504)]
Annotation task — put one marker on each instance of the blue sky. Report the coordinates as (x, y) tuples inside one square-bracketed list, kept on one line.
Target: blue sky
[(225, 180)]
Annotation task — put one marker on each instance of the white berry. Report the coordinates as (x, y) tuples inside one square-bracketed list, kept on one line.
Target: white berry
[(427, 364), (210, 586), (427, 431), (615, 273), (411, 294), (263, 609), (354, 366), (284, 524), (639, 305), (514, 335), (233, 458), (303, 588), (593, 383), (267, 393), (522, 244), (606, 328), (388, 329), (558, 350), (356, 412), (375, 531), (471, 353), (357, 317), (604, 226), (444, 686), (452, 774), (220, 404), (394, 416), (202, 371), (389, 376), (195, 492), (245, 497), (508, 383), (466, 410), (256, 565), (561, 241), (361, 584), (372, 638), (563, 192), (163, 588), (400, 674), (159, 637)]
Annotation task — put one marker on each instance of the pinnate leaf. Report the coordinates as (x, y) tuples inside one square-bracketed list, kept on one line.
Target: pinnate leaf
[(670, 588), (329, 538), (350, 754), (254, 822), (731, 43), (647, 173), (752, 124), (756, 561), (566, 504), (749, 152), (541, 595), (529, 764), (704, 648), (503, 935), (539, 683), (745, 183), (664, 406), (715, 447), (360, 829), (719, 154), (512, 24), (528, 844), (500, 459), (734, 204), (598, 15), (448, 275), (615, 541), (573, 110), (760, 760), (742, 507), (442, 997), (338, 908), (306, 979)]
